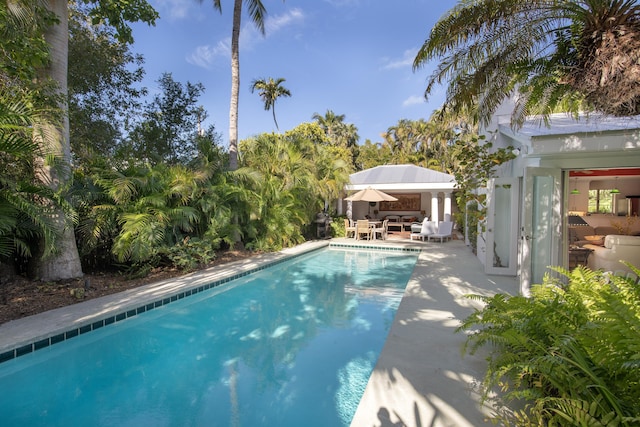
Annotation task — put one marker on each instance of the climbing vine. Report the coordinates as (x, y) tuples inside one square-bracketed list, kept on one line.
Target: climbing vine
[(475, 163)]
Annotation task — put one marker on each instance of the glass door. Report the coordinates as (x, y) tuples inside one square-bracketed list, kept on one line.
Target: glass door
[(541, 225), (502, 227)]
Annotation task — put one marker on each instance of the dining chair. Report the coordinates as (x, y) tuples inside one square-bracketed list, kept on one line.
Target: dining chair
[(349, 230), (362, 228), (382, 231)]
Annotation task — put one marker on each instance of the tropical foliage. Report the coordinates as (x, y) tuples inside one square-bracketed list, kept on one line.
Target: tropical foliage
[(475, 162), (339, 133), (292, 177), (567, 355), (38, 22), (571, 55), (24, 219), (105, 96), (419, 142)]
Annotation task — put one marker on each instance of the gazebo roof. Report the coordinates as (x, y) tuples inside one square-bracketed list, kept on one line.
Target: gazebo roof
[(401, 177)]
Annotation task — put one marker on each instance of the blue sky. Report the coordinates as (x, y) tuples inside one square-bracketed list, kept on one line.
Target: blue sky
[(350, 56)]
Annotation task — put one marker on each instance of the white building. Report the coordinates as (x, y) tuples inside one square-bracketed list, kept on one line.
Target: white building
[(535, 192)]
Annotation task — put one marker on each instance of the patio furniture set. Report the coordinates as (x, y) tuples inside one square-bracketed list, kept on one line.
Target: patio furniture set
[(365, 229), (372, 230), (432, 231)]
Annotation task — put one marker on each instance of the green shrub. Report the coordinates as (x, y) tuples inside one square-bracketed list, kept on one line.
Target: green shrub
[(337, 226), (567, 355), (192, 253)]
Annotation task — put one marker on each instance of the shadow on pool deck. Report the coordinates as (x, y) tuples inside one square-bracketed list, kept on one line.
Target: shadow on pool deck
[(421, 378)]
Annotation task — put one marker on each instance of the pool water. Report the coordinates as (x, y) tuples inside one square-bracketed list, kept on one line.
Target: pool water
[(290, 345)]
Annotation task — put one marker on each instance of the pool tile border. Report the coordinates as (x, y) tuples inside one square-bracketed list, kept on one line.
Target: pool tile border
[(93, 325)]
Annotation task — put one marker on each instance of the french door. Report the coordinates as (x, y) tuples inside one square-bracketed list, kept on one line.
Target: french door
[(541, 225), (502, 227)]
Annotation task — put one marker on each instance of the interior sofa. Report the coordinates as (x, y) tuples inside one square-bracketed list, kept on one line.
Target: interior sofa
[(400, 223), (616, 248)]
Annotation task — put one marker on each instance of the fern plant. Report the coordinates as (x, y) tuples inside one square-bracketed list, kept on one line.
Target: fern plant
[(567, 355)]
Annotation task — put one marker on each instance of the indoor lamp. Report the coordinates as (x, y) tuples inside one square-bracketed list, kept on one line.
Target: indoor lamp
[(615, 189), (575, 187)]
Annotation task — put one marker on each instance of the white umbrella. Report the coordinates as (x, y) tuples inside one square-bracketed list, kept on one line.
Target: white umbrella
[(370, 195)]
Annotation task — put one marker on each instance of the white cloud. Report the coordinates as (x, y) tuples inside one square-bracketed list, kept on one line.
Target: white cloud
[(174, 9), (275, 24), (406, 60), (205, 56), (413, 100)]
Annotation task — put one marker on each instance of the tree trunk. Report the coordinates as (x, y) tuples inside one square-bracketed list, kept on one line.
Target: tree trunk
[(273, 110), (65, 262), (235, 86), (233, 108)]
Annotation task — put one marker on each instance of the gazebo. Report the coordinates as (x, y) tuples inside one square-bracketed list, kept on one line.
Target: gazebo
[(420, 192)]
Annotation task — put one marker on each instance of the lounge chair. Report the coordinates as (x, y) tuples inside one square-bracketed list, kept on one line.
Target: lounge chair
[(427, 229), (362, 228), (349, 230), (445, 229), (382, 231), (416, 227)]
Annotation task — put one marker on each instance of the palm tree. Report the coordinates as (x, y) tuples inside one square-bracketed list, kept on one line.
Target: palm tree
[(257, 12), (330, 122), (54, 138), (270, 90), (570, 55)]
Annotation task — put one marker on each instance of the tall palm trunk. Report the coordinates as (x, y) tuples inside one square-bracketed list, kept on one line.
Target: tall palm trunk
[(65, 262), (235, 85), (233, 107), (273, 110)]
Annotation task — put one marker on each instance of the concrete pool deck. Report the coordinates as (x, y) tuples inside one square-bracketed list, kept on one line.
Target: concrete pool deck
[(421, 377)]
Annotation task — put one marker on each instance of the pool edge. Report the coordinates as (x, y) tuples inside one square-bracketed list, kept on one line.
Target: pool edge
[(32, 333), (29, 334)]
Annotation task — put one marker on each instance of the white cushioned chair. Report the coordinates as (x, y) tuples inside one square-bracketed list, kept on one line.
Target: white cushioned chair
[(427, 229), (445, 230)]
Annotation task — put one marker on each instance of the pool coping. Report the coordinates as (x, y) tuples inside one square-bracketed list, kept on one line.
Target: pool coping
[(29, 334)]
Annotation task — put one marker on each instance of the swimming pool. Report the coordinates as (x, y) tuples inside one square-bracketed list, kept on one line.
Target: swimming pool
[(290, 345)]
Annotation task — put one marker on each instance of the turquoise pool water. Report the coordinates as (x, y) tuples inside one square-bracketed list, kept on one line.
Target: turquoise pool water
[(290, 345)]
